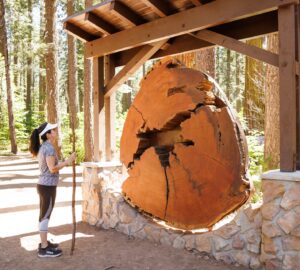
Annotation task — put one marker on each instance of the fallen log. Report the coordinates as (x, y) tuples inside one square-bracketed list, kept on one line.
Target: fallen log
[(185, 151)]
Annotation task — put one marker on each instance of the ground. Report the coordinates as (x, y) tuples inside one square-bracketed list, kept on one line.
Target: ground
[(95, 249)]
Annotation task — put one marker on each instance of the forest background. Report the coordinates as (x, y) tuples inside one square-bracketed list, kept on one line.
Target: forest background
[(45, 77)]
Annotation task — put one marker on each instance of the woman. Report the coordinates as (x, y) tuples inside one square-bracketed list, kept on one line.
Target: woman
[(49, 175)]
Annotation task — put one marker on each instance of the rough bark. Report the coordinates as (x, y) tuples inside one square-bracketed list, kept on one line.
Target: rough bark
[(87, 105), (29, 72), (51, 69), (72, 74), (237, 82), (272, 131), (3, 39), (184, 149), (206, 61), (203, 60), (228, 73), (42, 78), (254, 90)]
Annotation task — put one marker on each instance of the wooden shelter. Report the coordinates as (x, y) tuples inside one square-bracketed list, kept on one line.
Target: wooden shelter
[(129, 32)]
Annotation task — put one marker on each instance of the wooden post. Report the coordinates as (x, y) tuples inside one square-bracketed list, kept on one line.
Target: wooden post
[(298, 87), (110, 112), (287, 87), (98, 98)]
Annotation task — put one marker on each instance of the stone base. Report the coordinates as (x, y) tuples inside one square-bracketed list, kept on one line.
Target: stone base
[(259, 236), (236, 242), (281, 220)]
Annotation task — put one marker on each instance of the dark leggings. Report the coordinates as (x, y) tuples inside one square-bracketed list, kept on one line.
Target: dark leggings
[(47, 199)]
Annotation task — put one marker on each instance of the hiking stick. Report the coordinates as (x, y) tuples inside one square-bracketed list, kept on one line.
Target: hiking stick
[(73, 192)]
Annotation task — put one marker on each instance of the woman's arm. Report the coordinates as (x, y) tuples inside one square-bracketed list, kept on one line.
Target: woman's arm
[(55, 168)]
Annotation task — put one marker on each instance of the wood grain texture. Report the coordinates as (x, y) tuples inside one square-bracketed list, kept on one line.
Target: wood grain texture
[(287, 87), (184, 149)]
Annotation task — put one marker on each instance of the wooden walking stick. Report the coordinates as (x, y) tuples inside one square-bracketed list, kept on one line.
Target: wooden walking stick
[(73, 191)]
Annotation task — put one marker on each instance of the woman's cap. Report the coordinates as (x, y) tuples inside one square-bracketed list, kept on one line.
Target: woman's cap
[(47, 128)]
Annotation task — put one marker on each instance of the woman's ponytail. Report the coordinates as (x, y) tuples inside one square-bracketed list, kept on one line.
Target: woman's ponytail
[(34, 145)]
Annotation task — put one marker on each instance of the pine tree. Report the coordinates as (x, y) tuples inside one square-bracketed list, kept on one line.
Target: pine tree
[(87, 104), (254, 90), (72, 74), (51, 69), (3, 39), (272, 132)]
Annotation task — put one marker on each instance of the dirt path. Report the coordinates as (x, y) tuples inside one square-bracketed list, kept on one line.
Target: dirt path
[(95, 249)]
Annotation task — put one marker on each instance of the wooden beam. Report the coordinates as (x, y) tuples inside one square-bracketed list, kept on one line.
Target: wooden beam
[(216, 12), (101, 24), (238, 46), (287, 87), (242, 29), (200, 2), (137, 61), (196, 3), (160, 7), (78, 32), (126, 13), (98, 101), (298, 88), (206, 1), (110, 112)]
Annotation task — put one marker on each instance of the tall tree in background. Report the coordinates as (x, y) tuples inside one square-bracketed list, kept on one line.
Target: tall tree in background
[(87, 104), (42, 75), (4, 51), (205, 61), (228, 73), (29, 70), (72, 74), (254, 90), (272, 133), (51, 69)]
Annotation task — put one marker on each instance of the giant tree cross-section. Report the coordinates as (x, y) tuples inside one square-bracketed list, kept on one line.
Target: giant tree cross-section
[(185, 151)]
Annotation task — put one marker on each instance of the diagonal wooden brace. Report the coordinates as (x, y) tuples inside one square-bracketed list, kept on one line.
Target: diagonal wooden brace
[(131, 67)]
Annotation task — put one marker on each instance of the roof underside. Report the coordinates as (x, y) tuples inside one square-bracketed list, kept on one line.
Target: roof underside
[(111, 17)]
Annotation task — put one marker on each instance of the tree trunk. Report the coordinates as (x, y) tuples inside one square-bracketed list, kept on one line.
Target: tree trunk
[(186, 156), (42, 78), (228, 74), (51, 69), (272, 132), (87, 104), (238, 104), (3, 38), (205, 61), (72, 74), (254, 90), (29, 73)]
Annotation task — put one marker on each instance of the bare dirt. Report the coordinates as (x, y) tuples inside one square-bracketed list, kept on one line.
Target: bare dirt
[(95, 249)]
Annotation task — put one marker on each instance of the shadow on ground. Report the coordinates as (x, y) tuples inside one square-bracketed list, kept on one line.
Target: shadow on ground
[(95, 249)]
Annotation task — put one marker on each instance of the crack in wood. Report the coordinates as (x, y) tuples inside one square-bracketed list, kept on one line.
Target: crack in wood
[(183, 146)]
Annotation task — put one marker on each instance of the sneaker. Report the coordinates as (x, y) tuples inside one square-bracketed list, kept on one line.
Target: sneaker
[(50, 244), (49, 252)]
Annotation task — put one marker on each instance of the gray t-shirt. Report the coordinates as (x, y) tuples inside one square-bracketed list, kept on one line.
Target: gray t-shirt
[(46, 177)]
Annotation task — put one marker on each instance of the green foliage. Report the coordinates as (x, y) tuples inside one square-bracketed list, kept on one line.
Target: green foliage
[(67, 143), (256, 152), (230, 75), (255, 141), (257, 194)]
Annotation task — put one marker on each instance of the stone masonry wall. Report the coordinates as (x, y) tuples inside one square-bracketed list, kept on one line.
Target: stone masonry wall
[(281, 223), (237, 242)]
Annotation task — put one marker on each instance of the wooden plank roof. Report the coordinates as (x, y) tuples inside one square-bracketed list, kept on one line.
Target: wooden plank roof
[(120, 15), (113, 17)]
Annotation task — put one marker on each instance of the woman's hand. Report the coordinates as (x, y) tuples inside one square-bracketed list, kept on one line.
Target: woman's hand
[(71, 158)]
